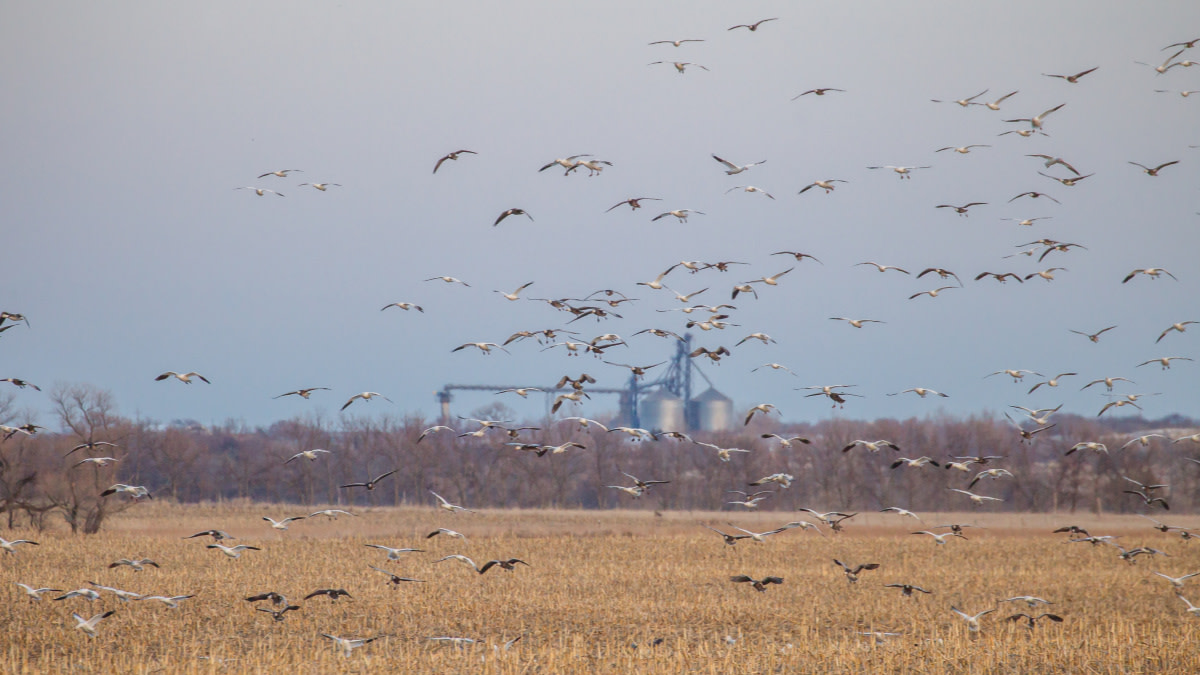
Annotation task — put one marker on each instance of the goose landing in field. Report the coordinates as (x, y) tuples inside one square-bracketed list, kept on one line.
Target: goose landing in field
[(447, 506), (233, 551), (89, 625), (348, 645), (11, 546)]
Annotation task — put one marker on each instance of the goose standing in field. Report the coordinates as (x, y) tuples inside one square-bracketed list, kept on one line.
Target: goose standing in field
[(185, 378), (233, 551), (453, 156), (366, 396), (88, 626), (310, 455), (36, 593), (447, 506)]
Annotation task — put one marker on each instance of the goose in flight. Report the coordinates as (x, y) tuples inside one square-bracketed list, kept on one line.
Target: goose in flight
[(902, 512), (1164, 361), (511, 212), (485, 347), (19, 383), (774, 366), (1037, 121), (1028, 434), (1094, 337), (348, 645), (1165, 66), (680, 66), (217, 535), (447, 532), (11, 547), (1181, 327), (310, 455), (514, 295), (960, 210), (977, 500), (136, 564), (394, 579), (730, 539), (460, 558), (185, 378), (852, 572), (674, 42), (1154, 171), (567, 163), (1191, 609), (787, 442), (1177, 582), (972, 621), (97, 461), (644, 484), (759, 537), (759, 585), (1047, 274), (828, 186), (36, 593), (366, 396), (332, 593), (171, 602), (820, 91), (260, 191), (760, 408), (90, 445), (907, 589), (732, 169), (85, 593), (1148, 500), (635, 491), (905, 172), (1108, 382), (135, 492), (447, 506), (857, 323), (1143, 440), (922, 391), (783, 480), (1073, 79), (233, 551), (1028, 222), (962, 149), (331, 514), (881, 268), (282, 525), (634, 203), (1032, 620), (371, 484), (914, 463), (933, 294), (752, 26), (681, 214), (995, 105), (594, 166), (873, 446), (88, 626), (453, 156), (750, 501), (282, 173), (1068, 182), (321, 186), (449, 280), (305, 393), (402, 305), (964, 102), (990, 473), (1152, 272), (749, 188), (507, 565), (1002, 278)]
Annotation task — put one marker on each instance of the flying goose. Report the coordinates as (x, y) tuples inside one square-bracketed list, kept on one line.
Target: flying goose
[(820, 91), (233, 551), (508, 565), (85, 593), (752, 27), (857, 323), (1154, 171), (749, 188), (1037, 121), (759, 585), (933, 294), (89, 625), (750, 501), (36, 593), (873, 446), (903, 171), (1033, 194), (171, 602), (995, 105), (852, 572), (1073, 79), (940, 539), (278, 614), (1165, 66), (907, 589), (260, 191), (680, 66), (348, 645), (447, 532), (1152, 272), (371, 484), (331, 593), (732, 169), (1191, 609), (962, 149), (185, 378), (135, 492), (366, 396), (282, 525), (136, 564), (1108, 382), (123, 596), (449, 280), (674, 42), (447, 506), (828, 186), (902, 512), (1181, 327), (1032, 620), (511, 212), (1164, 361), (322, 186), (681, 214), (990, 473), (977, 500), (1177, 582), (331, 514), (1068, 182), (914, 463), (394, 579), (759, 537), (783, 480), (402, 305), (453, 156), (282, 173), (310, 455), (730, 539), (217, 535), (964, 102), (634, 203), (972, 621), (305, 393)]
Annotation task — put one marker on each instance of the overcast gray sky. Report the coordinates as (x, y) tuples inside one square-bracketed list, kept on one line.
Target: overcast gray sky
[(128, 126)]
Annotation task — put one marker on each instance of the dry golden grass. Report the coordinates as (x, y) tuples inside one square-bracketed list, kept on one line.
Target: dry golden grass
[(600, 583)]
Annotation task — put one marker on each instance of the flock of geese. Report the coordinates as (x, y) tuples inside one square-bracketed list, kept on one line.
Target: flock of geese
[(602, 305)]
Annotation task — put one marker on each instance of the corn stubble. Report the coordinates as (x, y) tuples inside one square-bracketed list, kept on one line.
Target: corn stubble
[(607, 592)]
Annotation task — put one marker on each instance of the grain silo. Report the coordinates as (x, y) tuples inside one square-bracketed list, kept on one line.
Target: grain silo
[(712, 411), (660, 410)]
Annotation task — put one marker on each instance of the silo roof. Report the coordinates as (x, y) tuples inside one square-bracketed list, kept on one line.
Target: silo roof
[(711, 394)]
